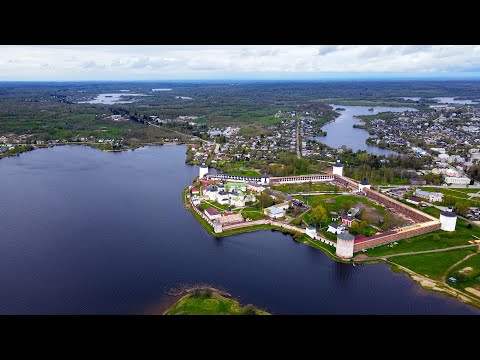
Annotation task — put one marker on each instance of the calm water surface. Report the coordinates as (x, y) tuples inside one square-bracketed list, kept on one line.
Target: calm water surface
[(112, 98), (341, 131), (452, 100), (91, 232)]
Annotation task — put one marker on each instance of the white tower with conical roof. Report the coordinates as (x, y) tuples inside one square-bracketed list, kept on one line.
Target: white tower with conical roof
[(338, 168), (202, 171)]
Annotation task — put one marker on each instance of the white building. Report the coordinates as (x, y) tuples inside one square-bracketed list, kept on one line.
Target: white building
[(195, 200), (338, 168), (457, 180), (430, 196), (211, 192), (363, 185), (311, 231), (222, 197), (202, 171), (335, 228), (345, 244), (448, 219), (274, 212)]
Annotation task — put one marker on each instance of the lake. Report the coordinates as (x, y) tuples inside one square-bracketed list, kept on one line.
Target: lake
[(341, 131), (91, 232), (112, 98), (451, 100)]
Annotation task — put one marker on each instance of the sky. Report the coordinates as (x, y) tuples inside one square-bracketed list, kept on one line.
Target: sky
[(242, 62)]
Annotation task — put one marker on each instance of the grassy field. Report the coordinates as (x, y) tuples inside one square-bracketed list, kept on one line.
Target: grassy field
[(253, 214), (428, 241), (246, 172), (459, 192), (210, 303), (212, 204), (432, 265), (469, 278), (297, 188)]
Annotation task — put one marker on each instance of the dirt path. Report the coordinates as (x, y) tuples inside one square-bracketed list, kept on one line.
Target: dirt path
[(384, 257), (444, 277), (436, 285)]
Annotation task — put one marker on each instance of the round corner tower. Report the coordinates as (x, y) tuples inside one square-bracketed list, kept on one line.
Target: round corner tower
[(345, 244), (448, 219)]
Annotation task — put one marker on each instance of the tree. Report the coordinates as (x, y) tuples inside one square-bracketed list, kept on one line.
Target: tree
[(265, 199), (436, 237), (346, 205), (362, 227), (365, 217), (319, 214), (462, 210), (449, 200), (297, 221), (354, 228), (387, 220)]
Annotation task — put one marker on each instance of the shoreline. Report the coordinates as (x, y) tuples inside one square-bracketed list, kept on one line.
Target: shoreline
[(91, 145), (171, 299), (425, 283)]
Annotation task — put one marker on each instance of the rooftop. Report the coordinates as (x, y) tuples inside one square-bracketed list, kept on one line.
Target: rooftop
[(211, 211), (346, 236)]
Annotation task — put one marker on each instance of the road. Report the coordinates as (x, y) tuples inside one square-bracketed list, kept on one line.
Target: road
[(299, 152)]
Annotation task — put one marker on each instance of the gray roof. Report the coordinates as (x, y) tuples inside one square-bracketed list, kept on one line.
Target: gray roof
[(448, 214), (338, 164), (310, 227), (345, 236), (364, 182), (333, 225), (211, 188)]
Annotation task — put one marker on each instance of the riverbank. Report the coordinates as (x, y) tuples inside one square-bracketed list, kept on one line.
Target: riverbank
[(96, 146), (210, 301), (425, 282)]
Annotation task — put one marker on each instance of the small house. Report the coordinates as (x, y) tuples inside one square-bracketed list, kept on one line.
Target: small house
[(212, 214), (415, 200)]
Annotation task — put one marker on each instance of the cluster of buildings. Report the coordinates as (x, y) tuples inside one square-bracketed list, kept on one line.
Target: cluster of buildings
[(225, 189)]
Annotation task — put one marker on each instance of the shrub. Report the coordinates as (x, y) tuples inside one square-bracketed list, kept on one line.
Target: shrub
[(249, 310)]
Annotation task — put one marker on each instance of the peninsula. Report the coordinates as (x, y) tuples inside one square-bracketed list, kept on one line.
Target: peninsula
[(350, 221)]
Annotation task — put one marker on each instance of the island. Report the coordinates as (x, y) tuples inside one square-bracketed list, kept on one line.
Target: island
[(211, 302)]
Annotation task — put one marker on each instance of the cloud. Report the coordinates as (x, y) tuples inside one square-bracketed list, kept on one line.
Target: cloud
[(80, 62)]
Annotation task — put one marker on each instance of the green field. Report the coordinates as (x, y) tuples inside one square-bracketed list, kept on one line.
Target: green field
[(460, 192), (212, 204), (297, 188), (253, 214), (204, 302), (432, 265), (246, 172), (446, 239), (470, 278)]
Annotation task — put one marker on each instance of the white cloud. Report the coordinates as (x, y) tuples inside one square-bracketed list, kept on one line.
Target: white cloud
[(96, 62)]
